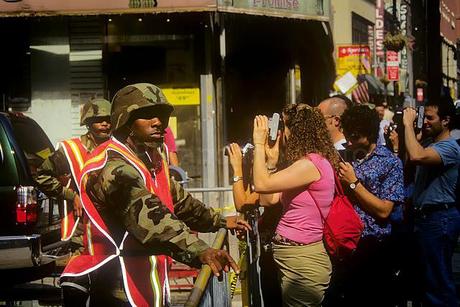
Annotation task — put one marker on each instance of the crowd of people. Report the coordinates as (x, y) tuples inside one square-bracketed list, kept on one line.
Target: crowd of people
[(406, 200), (132, 216)]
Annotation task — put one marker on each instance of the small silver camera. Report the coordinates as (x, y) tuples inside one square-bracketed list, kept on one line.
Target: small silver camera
[(273, 124)]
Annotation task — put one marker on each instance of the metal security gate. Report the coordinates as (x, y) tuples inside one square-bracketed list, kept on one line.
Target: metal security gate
[(86, 39)]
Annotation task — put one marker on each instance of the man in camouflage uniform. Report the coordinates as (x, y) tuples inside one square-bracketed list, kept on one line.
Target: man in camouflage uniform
[(54, 174), (157, 219)]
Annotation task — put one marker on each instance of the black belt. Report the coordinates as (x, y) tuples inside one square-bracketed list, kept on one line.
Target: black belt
[(430, 208)]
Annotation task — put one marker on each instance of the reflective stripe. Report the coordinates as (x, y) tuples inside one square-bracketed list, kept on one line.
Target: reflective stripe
[(155, 281), (74, 285), (89, 239), (77, 153), (65, 223)]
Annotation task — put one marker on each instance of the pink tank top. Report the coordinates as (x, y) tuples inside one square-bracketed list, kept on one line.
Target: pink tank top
[(301, 221)]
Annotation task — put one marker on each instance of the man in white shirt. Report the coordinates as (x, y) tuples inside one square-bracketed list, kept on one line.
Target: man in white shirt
[(332, 109)]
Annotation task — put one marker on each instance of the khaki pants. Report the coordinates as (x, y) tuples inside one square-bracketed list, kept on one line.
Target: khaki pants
[(304, 272)]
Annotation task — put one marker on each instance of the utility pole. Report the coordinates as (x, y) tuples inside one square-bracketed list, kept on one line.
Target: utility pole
[(433, 49), (426, 21)]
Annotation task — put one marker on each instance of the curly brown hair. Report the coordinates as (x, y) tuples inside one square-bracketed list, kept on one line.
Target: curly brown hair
[(309, 134)]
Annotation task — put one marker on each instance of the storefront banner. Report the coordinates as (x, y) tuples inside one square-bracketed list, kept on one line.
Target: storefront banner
[(306, 9), (392, 65), (354, 59), (182, 96), (101, 6)]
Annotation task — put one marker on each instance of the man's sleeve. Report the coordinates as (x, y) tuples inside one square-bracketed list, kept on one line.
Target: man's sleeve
[(448, 151), (50, 174), (145, 216), (193, 212), (392, 187)]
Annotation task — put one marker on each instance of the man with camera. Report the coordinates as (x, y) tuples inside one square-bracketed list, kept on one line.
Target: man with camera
[(437, 219)]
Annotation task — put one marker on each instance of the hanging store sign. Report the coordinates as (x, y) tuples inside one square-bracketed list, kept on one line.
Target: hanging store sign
[(182, 96), (53, 7), (402, 16), (302, 9), (392, 65), (379, 27), (354, 59)]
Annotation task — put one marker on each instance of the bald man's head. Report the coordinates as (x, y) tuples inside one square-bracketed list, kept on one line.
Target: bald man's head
[(332, 109), (334, 106)]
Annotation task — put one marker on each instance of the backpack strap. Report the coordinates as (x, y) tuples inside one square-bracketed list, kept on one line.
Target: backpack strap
[(338, 185), (339, 192)]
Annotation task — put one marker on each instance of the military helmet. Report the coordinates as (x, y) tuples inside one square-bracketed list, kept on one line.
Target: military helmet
[(136, 100), (97, 107)]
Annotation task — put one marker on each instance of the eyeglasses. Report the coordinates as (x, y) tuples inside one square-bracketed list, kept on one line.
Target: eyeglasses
[(330, 116)]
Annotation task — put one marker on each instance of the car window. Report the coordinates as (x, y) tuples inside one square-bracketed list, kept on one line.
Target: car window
[(8, 170), (1, 153), (32, 140)]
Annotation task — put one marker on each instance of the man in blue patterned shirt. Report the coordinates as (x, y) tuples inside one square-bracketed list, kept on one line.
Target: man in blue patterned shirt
[(375, 183)]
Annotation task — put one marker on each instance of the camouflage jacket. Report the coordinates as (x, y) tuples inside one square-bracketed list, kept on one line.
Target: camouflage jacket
[(54, 172), (125, 204)]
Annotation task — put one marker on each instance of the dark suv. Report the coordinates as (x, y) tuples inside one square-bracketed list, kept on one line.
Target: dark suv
[(29, 221)]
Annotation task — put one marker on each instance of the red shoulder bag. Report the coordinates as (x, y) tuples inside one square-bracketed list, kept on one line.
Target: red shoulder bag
[(342, 226)]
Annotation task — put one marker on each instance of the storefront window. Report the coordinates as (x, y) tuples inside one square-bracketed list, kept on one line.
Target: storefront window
[(166, 50), (15, 63)]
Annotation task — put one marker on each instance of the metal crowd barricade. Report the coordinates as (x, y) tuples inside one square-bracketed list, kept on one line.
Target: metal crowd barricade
[(219, 198), (209, 290)]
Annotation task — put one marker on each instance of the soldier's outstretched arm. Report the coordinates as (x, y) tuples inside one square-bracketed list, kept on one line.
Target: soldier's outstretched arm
[(198, 216), (193, 212), (143, 214), (52, 174)]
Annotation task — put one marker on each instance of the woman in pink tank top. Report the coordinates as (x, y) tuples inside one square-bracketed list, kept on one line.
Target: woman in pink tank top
[(303, 264)]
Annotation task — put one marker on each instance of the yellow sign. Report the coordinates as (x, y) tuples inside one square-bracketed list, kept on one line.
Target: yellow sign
[(173, 125), (182, 96), (354, 59)]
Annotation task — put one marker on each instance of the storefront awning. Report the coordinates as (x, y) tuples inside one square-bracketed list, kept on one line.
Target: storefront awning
[(298, 9)]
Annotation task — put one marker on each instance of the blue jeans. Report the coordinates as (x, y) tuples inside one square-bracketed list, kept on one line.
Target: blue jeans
[(437, 233)]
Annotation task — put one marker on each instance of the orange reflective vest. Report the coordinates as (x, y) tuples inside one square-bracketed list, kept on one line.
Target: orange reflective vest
[(144, 277), (76, 155)]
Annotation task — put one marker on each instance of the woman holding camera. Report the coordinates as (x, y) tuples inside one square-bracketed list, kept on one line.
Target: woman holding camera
[(303, 264), (247, 201)]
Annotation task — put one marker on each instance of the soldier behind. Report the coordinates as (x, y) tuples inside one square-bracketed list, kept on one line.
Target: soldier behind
[(58, 176), (142, 212), (54, 174)]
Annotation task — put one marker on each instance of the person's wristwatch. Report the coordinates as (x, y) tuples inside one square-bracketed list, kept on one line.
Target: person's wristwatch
[(237, 178), (353, 185)]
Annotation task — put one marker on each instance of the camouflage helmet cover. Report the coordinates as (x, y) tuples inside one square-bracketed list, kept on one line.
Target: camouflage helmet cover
[(138, 96), (97, 107)]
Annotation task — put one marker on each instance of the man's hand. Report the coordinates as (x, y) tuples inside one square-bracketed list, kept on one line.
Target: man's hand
[(77, 206), (260, 133), (409, 117), (236, 158), (347, 173), (237, 223), (394, 139), (218, 260)]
